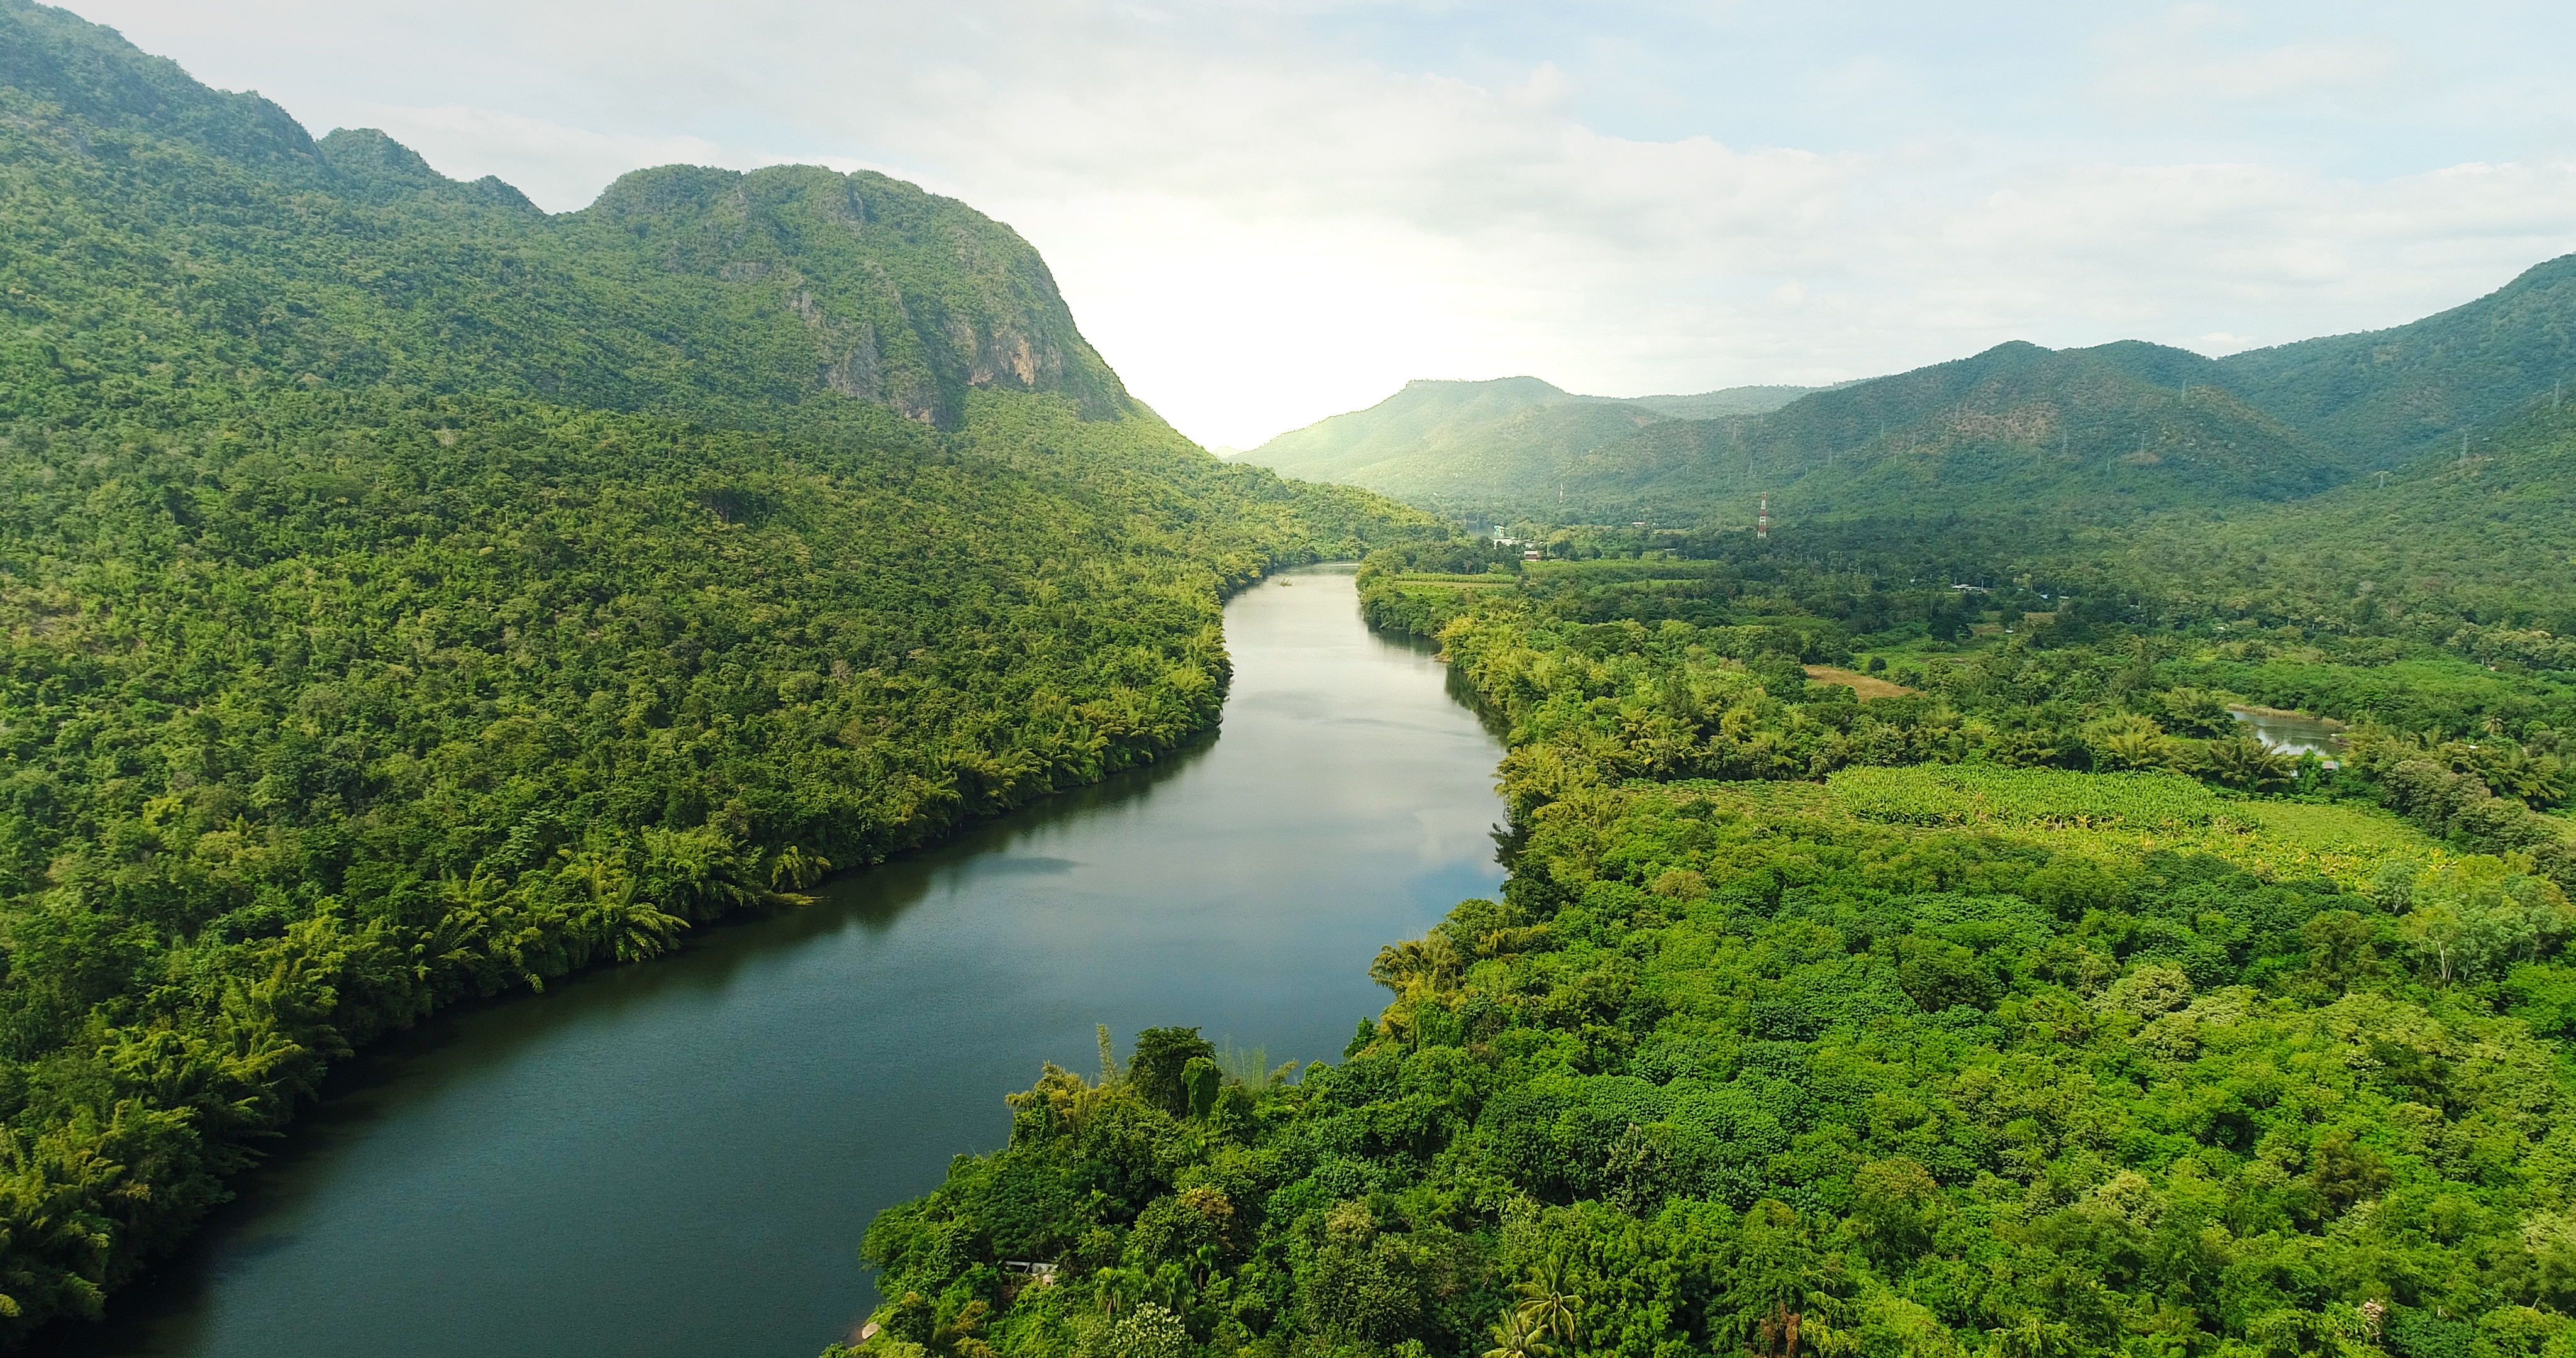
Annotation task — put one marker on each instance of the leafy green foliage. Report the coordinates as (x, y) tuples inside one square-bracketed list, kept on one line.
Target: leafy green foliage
[(1923, 1040), (1703, 1073), (409, 596), (1936, 794)]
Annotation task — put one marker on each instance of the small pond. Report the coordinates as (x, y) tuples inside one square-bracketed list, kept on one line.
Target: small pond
[(2293, 733)]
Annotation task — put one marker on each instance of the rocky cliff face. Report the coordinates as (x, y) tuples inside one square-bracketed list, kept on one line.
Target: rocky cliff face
[(907, 299)]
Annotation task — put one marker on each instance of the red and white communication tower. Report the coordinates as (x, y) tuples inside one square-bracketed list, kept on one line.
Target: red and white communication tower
[(1762, 520)]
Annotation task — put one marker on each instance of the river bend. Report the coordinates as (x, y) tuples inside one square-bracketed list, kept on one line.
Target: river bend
[(679, 1158)]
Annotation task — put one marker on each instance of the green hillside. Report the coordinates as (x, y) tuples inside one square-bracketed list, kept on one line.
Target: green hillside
[(1709, 405), (2478, 555), (2101, 435), (1499, 447), (253, 258), (408, 595), (2383, 396), (1423, 419)]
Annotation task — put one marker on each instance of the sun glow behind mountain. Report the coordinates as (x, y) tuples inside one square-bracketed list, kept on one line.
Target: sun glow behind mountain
[(1266, 214)]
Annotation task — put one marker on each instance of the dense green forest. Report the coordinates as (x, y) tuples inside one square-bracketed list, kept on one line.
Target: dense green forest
[(2076, 436), (2025, 1006), (410, 596), (2472, 556)]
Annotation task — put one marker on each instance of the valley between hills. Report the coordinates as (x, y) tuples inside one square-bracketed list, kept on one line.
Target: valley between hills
[(1901, 926)]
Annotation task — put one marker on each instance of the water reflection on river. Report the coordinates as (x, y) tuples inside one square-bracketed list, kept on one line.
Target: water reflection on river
[(679, 1158), (2293, 734)]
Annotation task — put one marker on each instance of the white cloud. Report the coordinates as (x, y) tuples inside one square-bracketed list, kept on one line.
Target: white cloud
[(1264, 214), (2179, 65)]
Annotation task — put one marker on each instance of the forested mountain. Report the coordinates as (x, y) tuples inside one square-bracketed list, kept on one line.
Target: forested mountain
[(252, 256), (409, 595), (2477, 554), (2383, 396), (2098, 433), (2101, 435), (1454, 443)]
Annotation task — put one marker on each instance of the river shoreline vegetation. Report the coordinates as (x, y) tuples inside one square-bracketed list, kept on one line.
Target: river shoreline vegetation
[(2030, 1010), (2025, 1005), (410, 596)]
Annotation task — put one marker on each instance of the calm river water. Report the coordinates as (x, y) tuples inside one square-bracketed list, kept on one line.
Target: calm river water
[(679, 1158)]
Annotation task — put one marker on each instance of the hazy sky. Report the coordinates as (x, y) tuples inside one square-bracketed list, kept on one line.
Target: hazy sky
[(1264, 213)]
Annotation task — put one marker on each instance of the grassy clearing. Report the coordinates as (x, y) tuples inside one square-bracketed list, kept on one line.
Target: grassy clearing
[(1867, 686), (2113, 815), (1968, 794)]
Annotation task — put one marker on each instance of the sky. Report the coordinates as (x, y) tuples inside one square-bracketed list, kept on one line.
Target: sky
[(1270, 211)]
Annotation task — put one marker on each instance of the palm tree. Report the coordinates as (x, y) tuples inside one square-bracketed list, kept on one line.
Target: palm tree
[(1114, 1287), (2512, 771), (467, 908), (1513, 1338), (611, 918), (2246, 763), (793, 869), (2133, 750), (1419, 971), (1546, 1306)]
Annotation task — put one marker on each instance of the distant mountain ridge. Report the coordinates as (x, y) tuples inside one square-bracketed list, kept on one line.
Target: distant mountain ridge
[(2102, 433), (1447, 442)]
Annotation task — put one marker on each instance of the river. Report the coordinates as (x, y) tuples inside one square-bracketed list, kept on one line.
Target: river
[(679, 1158), (2292, 733)]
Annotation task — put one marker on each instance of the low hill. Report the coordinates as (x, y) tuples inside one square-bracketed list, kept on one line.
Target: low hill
[(2102, 434), (1709, 405), (1509, 442), (2475, 554)]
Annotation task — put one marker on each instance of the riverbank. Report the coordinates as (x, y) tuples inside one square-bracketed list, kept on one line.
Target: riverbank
[(677, 1158)]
